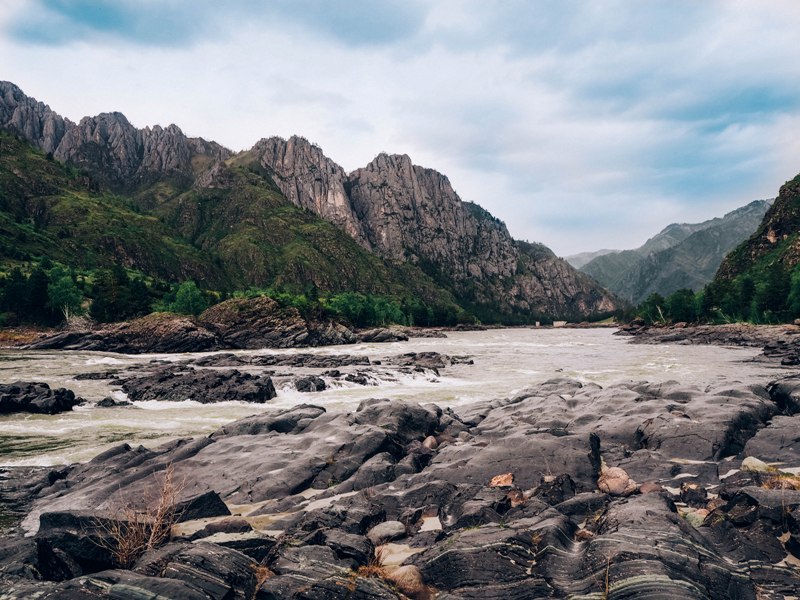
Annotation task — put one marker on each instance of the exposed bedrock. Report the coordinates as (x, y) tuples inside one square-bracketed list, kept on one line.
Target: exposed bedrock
[(566, 490), (27, 397), (204, 386)]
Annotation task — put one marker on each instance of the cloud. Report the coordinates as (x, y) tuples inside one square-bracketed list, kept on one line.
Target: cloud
[(581, 125), (186, 22)]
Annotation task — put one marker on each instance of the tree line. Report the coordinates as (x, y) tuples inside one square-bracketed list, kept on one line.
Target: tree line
[(770, 295), (48, 294)]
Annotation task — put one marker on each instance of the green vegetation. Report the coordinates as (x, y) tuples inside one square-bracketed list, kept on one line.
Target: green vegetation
[(167, 247), (771, 295)]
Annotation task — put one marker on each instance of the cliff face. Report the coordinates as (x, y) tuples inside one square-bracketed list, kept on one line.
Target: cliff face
[(413, 214), (407, 215), (410, 214), (107, 146), (310, 180), (777, 237)]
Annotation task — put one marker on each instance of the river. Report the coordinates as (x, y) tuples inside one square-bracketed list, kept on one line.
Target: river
[(505, 361)]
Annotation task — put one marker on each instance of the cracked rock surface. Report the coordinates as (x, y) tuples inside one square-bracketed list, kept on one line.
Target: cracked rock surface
[(507, 502)]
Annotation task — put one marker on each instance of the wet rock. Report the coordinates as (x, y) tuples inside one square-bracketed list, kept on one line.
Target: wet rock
[(693, 495), (201, 386), (157, 333), (262, 323), (349, 546), (380, 335), (550, 533), (216, 571), (101, 376), (310, 384), (426, 360), (119, 585), (778, 442), (36, 398), (201, 506), (309, 361), (360, 379), (555, 489), (109, 402), (231, 525), (291, 420)]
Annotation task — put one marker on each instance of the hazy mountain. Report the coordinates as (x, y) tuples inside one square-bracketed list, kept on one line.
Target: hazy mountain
[(682, 255), (580, 259)]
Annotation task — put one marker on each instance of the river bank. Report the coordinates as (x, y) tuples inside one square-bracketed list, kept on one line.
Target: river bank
[(779, 343)]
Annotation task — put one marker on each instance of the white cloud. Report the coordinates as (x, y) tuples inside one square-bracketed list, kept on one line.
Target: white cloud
[(582, 126)]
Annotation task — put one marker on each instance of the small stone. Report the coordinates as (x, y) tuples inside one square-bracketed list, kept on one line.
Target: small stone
[(754, 465), (615, 481), (504, 480), (696, 517), (408, 580), (430, 443), (386, 532), (650, 487)]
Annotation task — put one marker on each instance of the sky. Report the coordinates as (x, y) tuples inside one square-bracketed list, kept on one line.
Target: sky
[(581, 124)]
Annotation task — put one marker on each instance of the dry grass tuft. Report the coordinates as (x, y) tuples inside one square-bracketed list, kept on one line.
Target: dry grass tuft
[(781, 481), (130, 532), (375, 566)]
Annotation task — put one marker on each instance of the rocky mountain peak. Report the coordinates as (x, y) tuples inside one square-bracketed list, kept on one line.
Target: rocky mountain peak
[(33, 120), (310, 180), (400, 211), (107, 145)]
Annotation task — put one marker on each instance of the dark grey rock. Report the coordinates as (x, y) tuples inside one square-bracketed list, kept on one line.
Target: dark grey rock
[(204, 386), (36, 398)]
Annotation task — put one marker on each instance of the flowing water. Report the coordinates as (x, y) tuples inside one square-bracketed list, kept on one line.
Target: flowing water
[(505, 361)]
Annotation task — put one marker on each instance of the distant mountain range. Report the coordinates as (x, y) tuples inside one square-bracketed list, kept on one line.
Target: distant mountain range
[(682, 255), (281, 214)]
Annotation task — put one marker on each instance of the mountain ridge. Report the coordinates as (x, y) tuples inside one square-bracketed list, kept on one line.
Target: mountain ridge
[(403, 213), (682, 255)]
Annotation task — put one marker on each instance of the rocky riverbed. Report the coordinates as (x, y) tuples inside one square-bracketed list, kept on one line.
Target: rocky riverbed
[(565, 490)]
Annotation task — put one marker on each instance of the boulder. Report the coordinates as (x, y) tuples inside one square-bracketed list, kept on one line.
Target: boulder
[(36, 398), (386, 532), (262, 323), (204, 386)]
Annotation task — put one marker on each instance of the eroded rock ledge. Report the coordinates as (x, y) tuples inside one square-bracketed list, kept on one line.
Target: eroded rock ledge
[(565, 490), (780, 343)]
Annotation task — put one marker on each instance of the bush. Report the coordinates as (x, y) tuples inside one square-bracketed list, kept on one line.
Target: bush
[(189, 300)]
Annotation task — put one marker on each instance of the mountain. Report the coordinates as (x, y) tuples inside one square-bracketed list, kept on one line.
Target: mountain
[(776, 240), (281, 214), (580, 259), (682, 255)]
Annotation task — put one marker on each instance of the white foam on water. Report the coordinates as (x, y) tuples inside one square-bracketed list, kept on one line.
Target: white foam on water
[(105, 360)]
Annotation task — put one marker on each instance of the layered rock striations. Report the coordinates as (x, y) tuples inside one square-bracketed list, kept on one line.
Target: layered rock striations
[(565, 490)]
